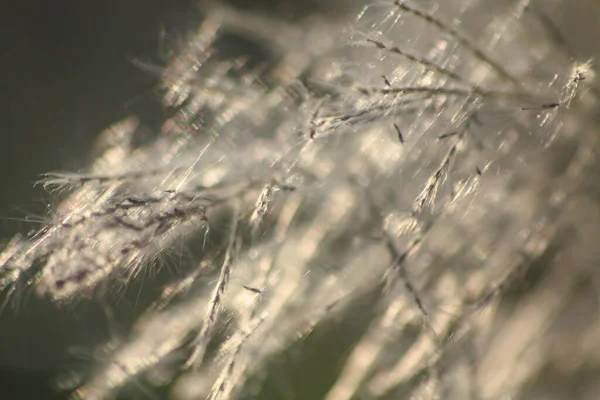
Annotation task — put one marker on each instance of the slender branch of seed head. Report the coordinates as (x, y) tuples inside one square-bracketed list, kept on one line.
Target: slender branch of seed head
[(497, 289), (428, 65), (433, 91), (68, 179), (261, 207), (349, 116), (232, 372), (262, 203), (372, 113), (216, 298), (399, 259), (461, 39), (314, 125), (398, 265), (175, 289), (224, 384), (416, 89), (429, 193)]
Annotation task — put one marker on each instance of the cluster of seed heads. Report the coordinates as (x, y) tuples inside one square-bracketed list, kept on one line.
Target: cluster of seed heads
[(402, 167)]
